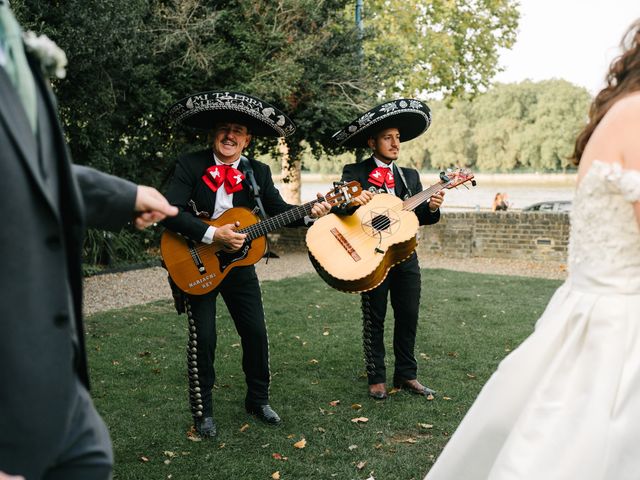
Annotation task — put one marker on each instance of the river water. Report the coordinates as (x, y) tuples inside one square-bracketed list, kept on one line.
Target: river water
[(522, 190)]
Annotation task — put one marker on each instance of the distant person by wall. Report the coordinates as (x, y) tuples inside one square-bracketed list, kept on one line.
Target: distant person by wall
[(500, 202)]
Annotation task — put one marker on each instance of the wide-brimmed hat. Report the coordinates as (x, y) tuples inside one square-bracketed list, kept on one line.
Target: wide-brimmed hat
[(203, 110), (411, 117)]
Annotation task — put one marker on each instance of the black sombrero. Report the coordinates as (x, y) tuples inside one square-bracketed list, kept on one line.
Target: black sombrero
[(203, 110), (411, 117)]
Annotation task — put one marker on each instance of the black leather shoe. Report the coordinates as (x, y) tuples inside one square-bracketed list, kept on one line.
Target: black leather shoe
[(414, 386), (205, 427), (264, 413)]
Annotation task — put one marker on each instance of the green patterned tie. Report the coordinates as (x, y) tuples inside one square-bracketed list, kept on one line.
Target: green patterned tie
[(15, 62)]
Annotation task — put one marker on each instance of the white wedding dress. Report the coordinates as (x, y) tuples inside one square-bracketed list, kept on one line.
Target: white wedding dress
[(565, 405)]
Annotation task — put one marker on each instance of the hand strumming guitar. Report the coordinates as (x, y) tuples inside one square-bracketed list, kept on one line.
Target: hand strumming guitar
[(227, 236)]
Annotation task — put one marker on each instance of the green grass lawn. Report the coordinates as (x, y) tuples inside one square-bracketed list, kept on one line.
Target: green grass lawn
[(468, 323)]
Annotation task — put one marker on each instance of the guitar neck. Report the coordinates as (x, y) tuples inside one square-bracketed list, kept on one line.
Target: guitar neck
[(281, 220), (413, 202)]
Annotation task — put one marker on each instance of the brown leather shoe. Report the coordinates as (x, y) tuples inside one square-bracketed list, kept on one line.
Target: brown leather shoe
[(414, 386), (378, 391)]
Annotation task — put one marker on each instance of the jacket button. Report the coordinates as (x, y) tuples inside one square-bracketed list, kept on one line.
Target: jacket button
[(61, 319)]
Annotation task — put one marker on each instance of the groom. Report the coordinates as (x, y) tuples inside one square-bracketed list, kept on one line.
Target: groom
[(49, 428)]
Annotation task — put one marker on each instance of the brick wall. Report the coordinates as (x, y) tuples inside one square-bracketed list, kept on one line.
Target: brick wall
[(525, 236)]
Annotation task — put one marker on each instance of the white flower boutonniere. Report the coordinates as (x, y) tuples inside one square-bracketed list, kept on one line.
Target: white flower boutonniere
[(52, 58)]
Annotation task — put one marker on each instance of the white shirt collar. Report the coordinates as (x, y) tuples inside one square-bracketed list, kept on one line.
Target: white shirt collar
[(234, 164), (380, 163)]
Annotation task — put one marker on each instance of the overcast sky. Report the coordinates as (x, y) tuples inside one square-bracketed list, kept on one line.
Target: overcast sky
[(570, 39)]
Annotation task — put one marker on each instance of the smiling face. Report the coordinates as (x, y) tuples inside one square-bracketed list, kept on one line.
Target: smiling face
[(386, 145), (229, 140)]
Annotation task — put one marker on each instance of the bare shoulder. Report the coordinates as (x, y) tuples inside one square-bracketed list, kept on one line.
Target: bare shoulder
[(624, 119)]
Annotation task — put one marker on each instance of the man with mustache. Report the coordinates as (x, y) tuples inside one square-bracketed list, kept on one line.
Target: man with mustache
[(382, 129), (232, 119)]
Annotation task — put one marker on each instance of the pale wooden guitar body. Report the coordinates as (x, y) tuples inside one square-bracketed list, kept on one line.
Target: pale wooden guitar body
[(354, 253), (178, 255)]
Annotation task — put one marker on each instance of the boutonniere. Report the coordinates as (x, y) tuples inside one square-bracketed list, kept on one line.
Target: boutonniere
[(53, 60)]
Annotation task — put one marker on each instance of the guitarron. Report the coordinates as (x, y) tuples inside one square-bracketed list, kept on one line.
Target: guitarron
[(197, 268), (354, 253)]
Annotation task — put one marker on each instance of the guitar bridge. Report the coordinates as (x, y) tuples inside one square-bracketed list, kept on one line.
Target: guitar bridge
[(345, 244)]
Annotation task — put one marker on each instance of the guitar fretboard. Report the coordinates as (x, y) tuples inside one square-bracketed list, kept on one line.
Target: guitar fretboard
[(419, 198), (285, 218)]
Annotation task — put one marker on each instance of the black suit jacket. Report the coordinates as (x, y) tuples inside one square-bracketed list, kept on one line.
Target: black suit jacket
[(187, 184), (41, 276), (360, 172)]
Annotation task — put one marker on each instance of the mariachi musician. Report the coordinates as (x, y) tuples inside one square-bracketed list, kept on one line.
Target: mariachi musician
[(382, 129), (206, 183)]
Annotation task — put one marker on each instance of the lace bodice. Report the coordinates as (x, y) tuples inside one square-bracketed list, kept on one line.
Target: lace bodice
[(604, 244)]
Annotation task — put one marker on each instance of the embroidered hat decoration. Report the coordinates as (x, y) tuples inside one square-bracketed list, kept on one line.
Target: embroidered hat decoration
[(203, 110), (411, 117)]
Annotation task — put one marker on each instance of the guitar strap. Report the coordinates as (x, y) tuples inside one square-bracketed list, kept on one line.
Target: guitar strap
[(245, 166), (404, 182), (253, 186)]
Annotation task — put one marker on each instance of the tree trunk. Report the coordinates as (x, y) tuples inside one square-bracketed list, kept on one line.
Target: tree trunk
[(291, 178)]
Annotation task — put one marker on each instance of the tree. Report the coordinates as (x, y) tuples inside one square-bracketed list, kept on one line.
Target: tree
[(434, 46)]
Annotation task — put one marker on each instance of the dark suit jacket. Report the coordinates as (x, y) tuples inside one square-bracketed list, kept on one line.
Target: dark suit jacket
[(41, 277), (187, 184), (360, 172)]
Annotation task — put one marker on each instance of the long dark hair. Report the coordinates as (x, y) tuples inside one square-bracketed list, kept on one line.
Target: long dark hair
[(622, 79)]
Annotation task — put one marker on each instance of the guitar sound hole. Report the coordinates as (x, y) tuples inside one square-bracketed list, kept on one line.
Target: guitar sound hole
[(381, 222)]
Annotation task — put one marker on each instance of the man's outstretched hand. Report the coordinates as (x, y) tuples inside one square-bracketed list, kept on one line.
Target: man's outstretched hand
[(151, 207)]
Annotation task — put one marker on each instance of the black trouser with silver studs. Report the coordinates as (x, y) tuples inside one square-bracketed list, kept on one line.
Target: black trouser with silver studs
[(240, 291), (403, 286)]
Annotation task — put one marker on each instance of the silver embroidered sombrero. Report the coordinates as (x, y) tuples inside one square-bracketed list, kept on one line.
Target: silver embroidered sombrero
[(410, 116), (203, 110)]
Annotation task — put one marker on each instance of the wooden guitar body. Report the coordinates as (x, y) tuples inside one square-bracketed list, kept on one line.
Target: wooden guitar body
[(198, 268), (354, 253)]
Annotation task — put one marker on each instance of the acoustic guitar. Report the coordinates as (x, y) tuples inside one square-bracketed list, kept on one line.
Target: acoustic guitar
[(354, 253), (197, 268)]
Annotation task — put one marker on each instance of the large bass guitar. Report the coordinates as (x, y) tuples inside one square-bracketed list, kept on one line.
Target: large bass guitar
[(354, 253), (197, 268)]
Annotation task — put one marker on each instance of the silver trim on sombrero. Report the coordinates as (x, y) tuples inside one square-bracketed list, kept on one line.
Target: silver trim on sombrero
[(200, 102), (388, 109)]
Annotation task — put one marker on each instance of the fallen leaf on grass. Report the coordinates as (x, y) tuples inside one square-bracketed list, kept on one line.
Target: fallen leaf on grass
[(169, 454), (244, 427), (471, 375), (426, 426), (356, 406), (193, 435), (277, 456), (430, 397), (361, 465), (301, 444), (334, 403), (313, 361), (275, 475), (144, 459), (393, 391), (360, 420), (446, 398), (353, 447)]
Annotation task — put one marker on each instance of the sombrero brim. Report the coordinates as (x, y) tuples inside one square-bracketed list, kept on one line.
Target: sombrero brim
[(411, 117), (203, 110)]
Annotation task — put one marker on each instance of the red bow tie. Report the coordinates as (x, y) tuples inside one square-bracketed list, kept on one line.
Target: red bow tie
[(216, 175), (382, 175)]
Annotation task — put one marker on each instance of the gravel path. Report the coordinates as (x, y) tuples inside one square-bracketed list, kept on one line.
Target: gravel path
[(136, 287)]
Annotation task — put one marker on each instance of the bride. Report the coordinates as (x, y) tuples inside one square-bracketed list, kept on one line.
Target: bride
[(565, 405)]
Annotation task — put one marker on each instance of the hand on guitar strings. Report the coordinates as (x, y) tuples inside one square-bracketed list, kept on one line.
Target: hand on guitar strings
[(320, 209), (227, 236), (362, 199), (436, 201)]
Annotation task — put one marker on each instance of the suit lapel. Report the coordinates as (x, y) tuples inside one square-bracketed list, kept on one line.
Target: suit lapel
[(15, 119)]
